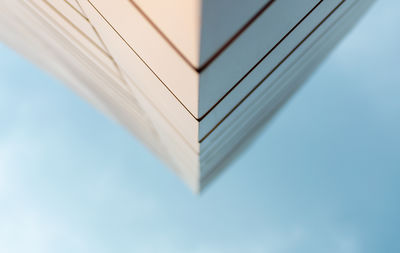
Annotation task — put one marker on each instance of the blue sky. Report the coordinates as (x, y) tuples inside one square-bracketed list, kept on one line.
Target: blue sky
[(322, 177)]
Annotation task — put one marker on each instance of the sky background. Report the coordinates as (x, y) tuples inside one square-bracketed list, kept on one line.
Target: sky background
[(322, 177)]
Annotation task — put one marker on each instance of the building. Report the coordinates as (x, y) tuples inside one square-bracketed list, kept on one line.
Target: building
[(193, 79)]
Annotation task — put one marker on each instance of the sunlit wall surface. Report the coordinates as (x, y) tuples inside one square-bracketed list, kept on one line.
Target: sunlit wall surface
[(323, 176)]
